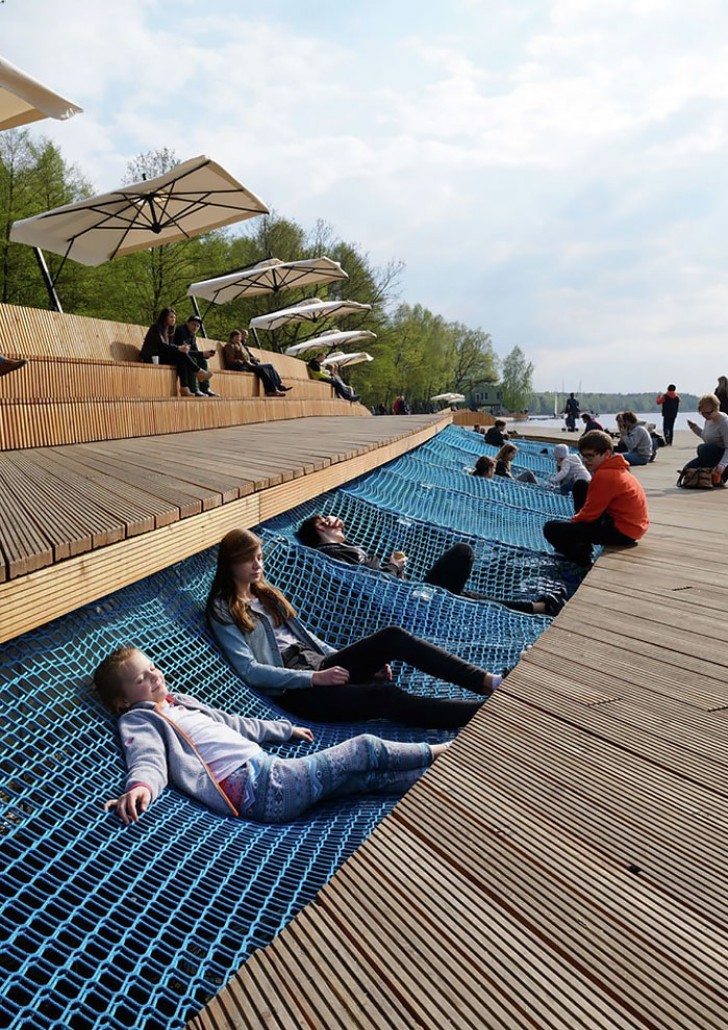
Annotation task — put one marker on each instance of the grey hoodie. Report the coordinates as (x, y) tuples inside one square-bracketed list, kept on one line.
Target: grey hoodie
[(158, 753)]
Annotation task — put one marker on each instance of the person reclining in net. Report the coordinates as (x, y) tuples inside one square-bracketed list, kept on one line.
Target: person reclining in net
[(259, 633), (451, 571), (215, 757)]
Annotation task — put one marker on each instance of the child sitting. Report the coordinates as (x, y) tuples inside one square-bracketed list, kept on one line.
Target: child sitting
[(214, 757), (571, 475), (615, 511)]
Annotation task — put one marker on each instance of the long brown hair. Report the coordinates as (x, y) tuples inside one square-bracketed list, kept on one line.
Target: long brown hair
[(237, 546)]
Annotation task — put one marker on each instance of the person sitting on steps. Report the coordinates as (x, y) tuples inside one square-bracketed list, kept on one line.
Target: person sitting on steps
[(239, 359)]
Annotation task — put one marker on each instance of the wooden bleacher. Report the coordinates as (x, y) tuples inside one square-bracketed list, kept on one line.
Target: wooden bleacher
[(97, 487), (84, 382)]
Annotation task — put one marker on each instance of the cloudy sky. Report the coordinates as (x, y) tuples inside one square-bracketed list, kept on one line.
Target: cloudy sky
[(552, 171)]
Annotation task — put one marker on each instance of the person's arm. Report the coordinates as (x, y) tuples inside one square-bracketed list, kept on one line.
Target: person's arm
[(695, 428), (598, 498), (146, 764), (723, 463), (236, 649)]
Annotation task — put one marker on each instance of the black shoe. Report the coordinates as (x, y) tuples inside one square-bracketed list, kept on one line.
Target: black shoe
[(8, 365), (285, 388), (354, 398), (553, 603)]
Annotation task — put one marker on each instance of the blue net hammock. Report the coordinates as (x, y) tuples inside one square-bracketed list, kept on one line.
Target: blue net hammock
[(500, 570), (112, 927)]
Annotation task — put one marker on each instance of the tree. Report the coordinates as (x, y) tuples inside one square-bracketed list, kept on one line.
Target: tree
[(517, 380)]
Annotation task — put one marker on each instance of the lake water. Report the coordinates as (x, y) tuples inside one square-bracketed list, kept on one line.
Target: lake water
[(610, 422)]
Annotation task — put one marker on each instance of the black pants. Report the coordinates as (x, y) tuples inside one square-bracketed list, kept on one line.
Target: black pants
[(362, 699), (578, 492), (265, 372), (452, 571), (668, 426), (574, 539), (184, 365)]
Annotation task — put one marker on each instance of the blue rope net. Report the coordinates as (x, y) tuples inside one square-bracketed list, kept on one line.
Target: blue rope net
[(112, 927), (500, 571)]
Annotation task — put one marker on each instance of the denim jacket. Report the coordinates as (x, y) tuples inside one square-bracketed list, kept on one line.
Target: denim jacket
[(256, 657)]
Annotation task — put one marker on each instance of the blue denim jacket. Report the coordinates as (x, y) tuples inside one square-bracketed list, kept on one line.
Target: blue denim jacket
[(256, 657)]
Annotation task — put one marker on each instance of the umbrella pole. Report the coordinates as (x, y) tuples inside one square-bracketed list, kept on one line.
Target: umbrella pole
[(49, 284), (197, 312)]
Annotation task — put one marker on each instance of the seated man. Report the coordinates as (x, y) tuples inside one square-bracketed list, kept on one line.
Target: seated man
[(239, 359), (185, 337), (637, 447), (615, 511), (317, 371), (496, 434), (10, 365), (325, 533)]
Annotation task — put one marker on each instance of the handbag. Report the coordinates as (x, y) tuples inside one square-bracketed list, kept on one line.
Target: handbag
[(695, 479)]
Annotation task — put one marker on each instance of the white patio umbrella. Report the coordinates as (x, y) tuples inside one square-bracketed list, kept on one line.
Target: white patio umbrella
[(449, 398), (331, 339), (312, 310), (341, 359), (271, 276), (24, 99), (195, 197)]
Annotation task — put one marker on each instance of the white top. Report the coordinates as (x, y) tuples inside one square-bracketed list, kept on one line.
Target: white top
[(220, 747), (571, 470), (284, 636)]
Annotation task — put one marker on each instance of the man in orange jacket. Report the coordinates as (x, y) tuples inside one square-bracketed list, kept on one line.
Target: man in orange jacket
[(615, 510)]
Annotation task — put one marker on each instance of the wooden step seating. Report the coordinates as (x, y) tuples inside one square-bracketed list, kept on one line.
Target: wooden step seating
[(84, 383)]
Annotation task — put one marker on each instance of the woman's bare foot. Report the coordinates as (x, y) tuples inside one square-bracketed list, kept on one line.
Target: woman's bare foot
[(440, 749)]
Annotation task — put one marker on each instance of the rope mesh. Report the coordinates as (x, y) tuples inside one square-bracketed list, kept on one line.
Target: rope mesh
[(113, 927)]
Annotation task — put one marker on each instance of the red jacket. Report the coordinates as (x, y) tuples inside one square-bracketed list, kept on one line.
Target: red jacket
[(615, 491)]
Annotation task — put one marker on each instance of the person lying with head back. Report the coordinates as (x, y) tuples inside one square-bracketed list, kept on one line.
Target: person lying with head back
[(451, 571)]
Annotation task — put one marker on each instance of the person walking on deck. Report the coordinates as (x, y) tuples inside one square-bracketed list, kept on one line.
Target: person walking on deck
[(669, 401)]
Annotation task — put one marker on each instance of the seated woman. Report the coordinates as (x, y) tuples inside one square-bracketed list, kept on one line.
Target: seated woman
[(267, 645), (635, 442), (713, 451), (159, 343), (317, 371), (215, 757), (239, 359), (451, 571), (503, 460)]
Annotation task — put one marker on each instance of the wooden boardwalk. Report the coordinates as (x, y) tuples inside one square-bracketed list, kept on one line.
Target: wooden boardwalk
[(80, 521), (565, 864)]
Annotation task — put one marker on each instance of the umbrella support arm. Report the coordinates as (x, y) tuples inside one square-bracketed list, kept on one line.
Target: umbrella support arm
[(50, 285), (197, 312)]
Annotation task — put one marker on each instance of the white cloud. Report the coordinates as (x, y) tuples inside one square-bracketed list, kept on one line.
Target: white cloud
[(552, 173)]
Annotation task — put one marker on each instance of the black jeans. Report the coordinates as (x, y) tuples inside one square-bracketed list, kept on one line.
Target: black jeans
[(574, 539), (266, 373), (185, 366), (668, 427), (709, 454), (362, 699), (452, 571)]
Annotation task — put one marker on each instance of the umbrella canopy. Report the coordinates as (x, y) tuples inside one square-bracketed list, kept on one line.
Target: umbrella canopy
[(195, 197), (332, 339), (24, 100), (309, 311), (341, 359), (269, 276), (449, 398)]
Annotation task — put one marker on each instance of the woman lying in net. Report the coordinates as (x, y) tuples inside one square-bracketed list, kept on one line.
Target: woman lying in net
[(273, 652)]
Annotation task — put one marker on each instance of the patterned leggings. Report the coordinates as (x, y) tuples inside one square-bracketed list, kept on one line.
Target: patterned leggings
[(268, 789)]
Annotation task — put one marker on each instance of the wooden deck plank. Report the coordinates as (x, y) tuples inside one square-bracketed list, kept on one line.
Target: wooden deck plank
[(565, 863)]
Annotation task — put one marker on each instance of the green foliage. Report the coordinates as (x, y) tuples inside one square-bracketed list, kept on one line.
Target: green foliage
[(608, 403), (517, 380), (417, 353)]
